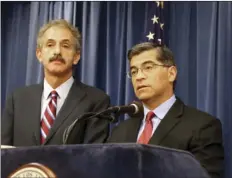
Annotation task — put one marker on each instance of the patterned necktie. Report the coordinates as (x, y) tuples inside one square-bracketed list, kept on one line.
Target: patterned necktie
[(147, 131), (49, 116)]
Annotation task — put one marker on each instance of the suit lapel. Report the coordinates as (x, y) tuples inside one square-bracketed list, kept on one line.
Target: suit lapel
[(133, 129), (168, 122), (74, 97), (34, 113)]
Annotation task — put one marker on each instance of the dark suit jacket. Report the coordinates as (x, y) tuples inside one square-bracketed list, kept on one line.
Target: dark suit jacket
[(182, 128), (21, 117)]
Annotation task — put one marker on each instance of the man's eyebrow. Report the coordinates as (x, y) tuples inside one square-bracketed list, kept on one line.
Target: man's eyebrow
[(64, 40), (50, 40), (146, 62), (132, 67)]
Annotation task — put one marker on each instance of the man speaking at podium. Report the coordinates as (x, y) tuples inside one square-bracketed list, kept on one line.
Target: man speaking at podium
[(166, 120), (39, 114)]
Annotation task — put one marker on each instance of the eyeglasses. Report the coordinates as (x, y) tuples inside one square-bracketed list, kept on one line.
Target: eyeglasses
[(145, 69)]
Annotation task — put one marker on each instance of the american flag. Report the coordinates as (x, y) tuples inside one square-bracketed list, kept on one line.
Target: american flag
[(155, 30)]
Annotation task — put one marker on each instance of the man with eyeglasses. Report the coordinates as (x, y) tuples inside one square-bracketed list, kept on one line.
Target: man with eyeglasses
[(167, 121)]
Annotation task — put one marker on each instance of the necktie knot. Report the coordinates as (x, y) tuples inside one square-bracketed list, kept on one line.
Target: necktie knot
[(53, 94), (149, 116)]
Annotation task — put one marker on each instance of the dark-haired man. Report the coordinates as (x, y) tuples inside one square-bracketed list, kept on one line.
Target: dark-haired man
[(167, 120)]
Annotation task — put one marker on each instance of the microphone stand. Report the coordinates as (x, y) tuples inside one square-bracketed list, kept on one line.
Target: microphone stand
[(104, 115)]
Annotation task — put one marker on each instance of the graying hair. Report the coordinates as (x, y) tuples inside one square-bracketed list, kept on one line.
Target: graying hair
[(61, 23)]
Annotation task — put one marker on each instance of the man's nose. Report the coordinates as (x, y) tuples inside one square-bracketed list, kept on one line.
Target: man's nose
[(57, 49), (140, 75)]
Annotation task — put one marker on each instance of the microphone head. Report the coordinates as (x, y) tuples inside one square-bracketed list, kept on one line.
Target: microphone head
[(139, 111)]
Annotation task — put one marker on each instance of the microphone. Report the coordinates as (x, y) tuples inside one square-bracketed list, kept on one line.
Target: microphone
[(133, 110)]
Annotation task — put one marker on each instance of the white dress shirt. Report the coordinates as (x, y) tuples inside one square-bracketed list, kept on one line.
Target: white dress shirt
[(62, 92), (160, 112)]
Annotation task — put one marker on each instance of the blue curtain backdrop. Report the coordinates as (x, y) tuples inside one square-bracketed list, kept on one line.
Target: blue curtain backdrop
[(199, 34)]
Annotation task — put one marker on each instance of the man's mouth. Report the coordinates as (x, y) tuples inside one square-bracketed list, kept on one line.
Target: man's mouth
[(141, 86), (58, 60)]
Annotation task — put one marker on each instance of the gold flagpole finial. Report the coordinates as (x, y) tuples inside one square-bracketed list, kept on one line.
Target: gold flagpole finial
[(160, 3)]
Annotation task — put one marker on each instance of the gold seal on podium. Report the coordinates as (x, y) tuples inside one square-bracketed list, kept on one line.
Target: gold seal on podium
[(33, 170)]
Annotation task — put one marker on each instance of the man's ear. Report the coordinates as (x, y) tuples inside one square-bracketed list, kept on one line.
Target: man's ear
[(172, 73), (39, 54), (76, 57)]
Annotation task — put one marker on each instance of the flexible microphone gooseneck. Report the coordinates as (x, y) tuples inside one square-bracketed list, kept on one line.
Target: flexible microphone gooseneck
[(133, 110), (88, 115)]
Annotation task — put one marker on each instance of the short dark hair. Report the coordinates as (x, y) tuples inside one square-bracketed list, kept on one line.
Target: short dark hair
[(165, 55)]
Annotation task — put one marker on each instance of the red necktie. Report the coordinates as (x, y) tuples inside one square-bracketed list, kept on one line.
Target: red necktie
[(147, 131), (49, 116)]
